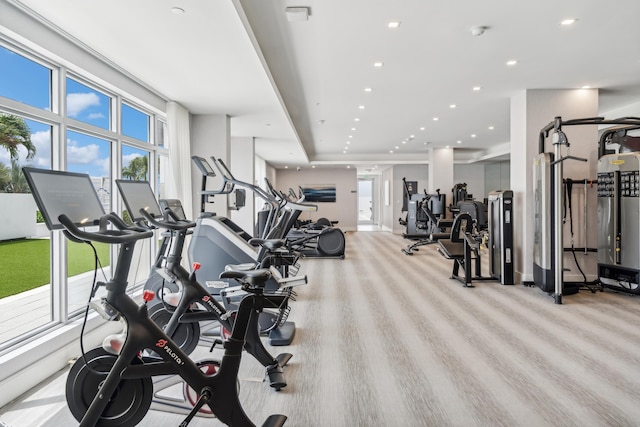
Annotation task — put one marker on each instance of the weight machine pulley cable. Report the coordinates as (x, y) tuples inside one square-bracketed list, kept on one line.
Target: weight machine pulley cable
[(568, 183)]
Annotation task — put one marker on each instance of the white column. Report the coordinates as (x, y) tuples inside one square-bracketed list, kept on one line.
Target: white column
[(243, 169), (441, 171), (210, 136), (531, 110)]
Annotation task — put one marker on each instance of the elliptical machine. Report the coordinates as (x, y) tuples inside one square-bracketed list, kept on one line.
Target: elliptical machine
[(217, 242)]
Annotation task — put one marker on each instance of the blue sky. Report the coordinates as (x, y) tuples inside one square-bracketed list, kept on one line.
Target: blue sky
[(28, 82)]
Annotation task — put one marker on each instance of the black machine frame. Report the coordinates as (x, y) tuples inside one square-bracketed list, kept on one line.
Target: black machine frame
[(91, 404), (183, 321)]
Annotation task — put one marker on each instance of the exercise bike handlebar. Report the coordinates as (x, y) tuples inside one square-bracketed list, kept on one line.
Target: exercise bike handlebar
[(123, 233), (170, 221)]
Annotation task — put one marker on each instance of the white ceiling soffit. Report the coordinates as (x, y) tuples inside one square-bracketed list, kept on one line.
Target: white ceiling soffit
[(431, 64), (206, 59)]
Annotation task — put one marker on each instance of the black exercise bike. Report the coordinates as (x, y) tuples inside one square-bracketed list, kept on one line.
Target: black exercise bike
[(105, 389), (181, 322)]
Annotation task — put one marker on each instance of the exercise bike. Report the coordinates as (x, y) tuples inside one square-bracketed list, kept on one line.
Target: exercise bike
[(181, 321), (105, 389)]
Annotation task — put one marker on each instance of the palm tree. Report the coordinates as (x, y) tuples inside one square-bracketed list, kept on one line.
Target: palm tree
[(137, 169), (13, 133), (5, 177), (18, 181)]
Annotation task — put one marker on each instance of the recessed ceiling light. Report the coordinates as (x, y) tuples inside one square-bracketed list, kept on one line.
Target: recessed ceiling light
[(435, 119), (491, 127), (459, 142), (473, 135), (586, 87), (411, 136), (348, 166), (452, 106), (368, 89), (353, 128), (393, 24), (378, 64), (346, 148), (177, 10), (350, 136), (422, 128), (404, 142), (391, 151), (361, 107), (476, 88), (348, 142), (512, 62), (397, 148), (286, 167), (568, 21), (446, 146), (356, 119)]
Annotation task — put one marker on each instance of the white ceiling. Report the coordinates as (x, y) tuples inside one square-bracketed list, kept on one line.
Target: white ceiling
[(297, 86)]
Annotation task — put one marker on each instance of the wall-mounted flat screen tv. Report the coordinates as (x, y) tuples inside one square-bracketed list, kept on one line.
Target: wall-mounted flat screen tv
[(319, 193)]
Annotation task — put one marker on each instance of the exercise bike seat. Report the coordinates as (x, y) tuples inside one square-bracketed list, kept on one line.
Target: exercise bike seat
[(252, 277), (270, 244), (241, 267)]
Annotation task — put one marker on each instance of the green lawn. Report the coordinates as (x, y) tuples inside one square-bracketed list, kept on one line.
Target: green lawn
[(25, 264)]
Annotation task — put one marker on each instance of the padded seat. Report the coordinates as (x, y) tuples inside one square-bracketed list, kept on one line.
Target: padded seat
[(457, 248), (451, 249)]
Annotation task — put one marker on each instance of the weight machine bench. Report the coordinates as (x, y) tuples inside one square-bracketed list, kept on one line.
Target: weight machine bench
[(463, 249)]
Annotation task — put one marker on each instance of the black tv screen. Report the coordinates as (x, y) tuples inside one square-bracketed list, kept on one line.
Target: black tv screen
[(319, 193)]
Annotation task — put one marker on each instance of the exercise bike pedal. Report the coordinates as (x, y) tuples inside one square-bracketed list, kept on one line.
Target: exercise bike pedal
[(275, 421), (205, 396), (283, 358), (216, 342)]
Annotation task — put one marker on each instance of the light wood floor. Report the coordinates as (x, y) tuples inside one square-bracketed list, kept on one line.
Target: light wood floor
[(384, 339)]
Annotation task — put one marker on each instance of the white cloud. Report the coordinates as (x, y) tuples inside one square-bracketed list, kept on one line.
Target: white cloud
[(94, 116), (82, 154), (42, 142), (76, 102), (127, 159)]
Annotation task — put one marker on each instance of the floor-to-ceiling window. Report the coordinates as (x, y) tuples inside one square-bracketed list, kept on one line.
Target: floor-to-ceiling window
[(54, 118)]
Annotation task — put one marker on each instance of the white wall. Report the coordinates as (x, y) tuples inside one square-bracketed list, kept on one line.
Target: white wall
[(243, 169), (471, 174), (632, 110), (496, 176), (386, 200), (344, 210), (210, 136), (17, 216)]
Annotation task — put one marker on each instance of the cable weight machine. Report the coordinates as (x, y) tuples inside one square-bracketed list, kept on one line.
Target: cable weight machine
[(548, 180)]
